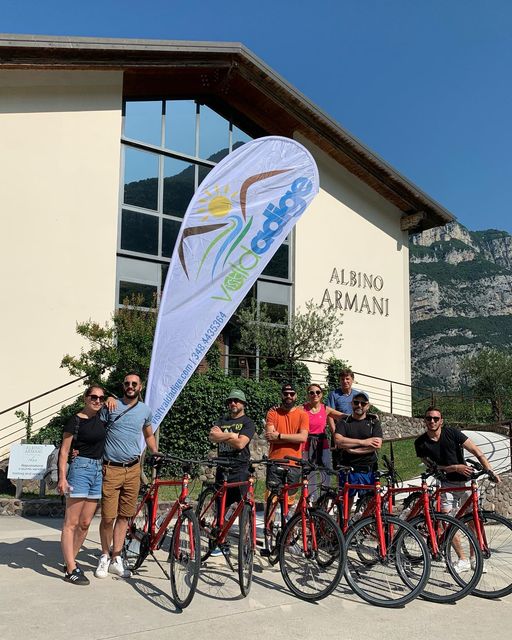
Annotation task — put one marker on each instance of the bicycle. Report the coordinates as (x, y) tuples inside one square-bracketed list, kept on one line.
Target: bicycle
[(388, 562), (309, 545), (145, 534), (448, 540), (493, 532), (215, 526)]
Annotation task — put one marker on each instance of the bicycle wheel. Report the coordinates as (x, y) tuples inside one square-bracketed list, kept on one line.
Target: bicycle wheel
[(206, 512), (184, 559), (449, 580), (388, 579), (328, 504), (496, 579), (312, 570), (272, 529), (138, 537), (245, 549)]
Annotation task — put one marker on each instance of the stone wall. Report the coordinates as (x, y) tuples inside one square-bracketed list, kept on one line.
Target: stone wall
[(498, 497)]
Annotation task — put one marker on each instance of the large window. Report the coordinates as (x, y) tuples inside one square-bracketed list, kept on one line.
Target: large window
[(168, 147)]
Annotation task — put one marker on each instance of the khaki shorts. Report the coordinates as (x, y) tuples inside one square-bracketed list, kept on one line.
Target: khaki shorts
[(120, 491)]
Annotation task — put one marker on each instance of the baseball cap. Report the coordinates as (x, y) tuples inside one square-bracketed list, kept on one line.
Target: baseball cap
[(287, 387), (236, 394), (361, 394)]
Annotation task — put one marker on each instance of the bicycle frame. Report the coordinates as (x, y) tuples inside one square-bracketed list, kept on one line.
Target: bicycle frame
[(220, 497), (151, 497), (301, 508), (471, 505)]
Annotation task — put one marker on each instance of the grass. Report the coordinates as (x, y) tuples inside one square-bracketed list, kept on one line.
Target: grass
[(406, 462)]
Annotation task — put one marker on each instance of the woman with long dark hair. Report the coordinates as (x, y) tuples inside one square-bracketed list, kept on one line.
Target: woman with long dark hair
[(85, 433)]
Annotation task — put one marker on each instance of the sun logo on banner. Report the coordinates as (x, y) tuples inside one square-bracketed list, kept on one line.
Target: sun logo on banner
[(219, 205)]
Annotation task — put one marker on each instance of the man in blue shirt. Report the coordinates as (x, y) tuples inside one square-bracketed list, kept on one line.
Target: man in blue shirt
[(341, 398), (127, 418)]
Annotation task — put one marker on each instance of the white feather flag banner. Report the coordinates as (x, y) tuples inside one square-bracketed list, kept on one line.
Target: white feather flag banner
[(237, 219)]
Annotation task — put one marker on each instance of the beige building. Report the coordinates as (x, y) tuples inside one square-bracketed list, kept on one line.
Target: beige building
[(103, 144)]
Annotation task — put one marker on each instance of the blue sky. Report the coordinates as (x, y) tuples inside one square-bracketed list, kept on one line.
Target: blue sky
[(424, 83)]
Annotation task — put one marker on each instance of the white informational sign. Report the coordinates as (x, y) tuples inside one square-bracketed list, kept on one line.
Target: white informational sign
[(236, 221), (28, 461)]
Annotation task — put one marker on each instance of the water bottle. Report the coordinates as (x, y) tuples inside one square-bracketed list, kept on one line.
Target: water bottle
[(230, 510)]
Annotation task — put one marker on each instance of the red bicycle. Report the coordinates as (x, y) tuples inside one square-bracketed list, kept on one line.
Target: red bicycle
[(450, 542), (388, 562), (309, 544), (216, 528), (493, 532), (146, 532)]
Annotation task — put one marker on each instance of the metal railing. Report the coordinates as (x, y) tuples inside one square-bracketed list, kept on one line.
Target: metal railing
[(25, 427)]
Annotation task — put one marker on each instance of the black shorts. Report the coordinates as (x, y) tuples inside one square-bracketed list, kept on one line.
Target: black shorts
[(233, 494), (276, 473)]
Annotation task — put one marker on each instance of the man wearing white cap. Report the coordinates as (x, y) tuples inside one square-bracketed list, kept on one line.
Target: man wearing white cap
[(359, 436)]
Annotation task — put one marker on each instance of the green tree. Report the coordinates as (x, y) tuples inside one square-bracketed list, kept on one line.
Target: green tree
[(118, 346), (308, 334), (489, 375)]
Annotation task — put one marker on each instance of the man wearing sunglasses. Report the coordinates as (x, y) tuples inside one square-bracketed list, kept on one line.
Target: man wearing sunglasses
[(232, 433), (126, 418), (444, 446), (286, 431), (359, 437)]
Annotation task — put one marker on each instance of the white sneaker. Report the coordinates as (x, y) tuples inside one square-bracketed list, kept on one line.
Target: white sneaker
[(102, 568), (462, 565), (473, 566), (117, 567)]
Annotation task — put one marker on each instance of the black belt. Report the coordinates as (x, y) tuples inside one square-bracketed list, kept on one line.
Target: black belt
[(110, 463)]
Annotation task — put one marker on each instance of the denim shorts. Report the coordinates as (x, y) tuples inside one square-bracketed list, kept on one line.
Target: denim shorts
[(85, 476)]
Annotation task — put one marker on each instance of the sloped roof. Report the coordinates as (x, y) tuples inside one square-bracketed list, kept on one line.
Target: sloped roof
[(230, 77)]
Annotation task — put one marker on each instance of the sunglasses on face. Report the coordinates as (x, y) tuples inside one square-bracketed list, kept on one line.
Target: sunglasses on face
[(130, 383), (96, 398), (289, 393), (314, 393), (434, 418), (233, 400), (358, 403)]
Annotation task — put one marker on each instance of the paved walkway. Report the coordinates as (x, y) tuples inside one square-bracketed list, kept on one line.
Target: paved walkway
[(36, 603)]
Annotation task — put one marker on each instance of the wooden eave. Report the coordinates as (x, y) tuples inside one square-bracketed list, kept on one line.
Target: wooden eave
[(235, 82)]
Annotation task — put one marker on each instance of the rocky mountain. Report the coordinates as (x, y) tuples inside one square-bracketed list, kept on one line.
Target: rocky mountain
[(461, 299)]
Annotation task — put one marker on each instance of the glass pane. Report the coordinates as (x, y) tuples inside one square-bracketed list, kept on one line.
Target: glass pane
[(171, 228), (203, 172), (139, 232), (239, 138), (180, 126), (143, 121), (165, 269), (213, 135), (278, 266), (129, 289), (274, 292), (178, 186), (276, 312), (140, 178)]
